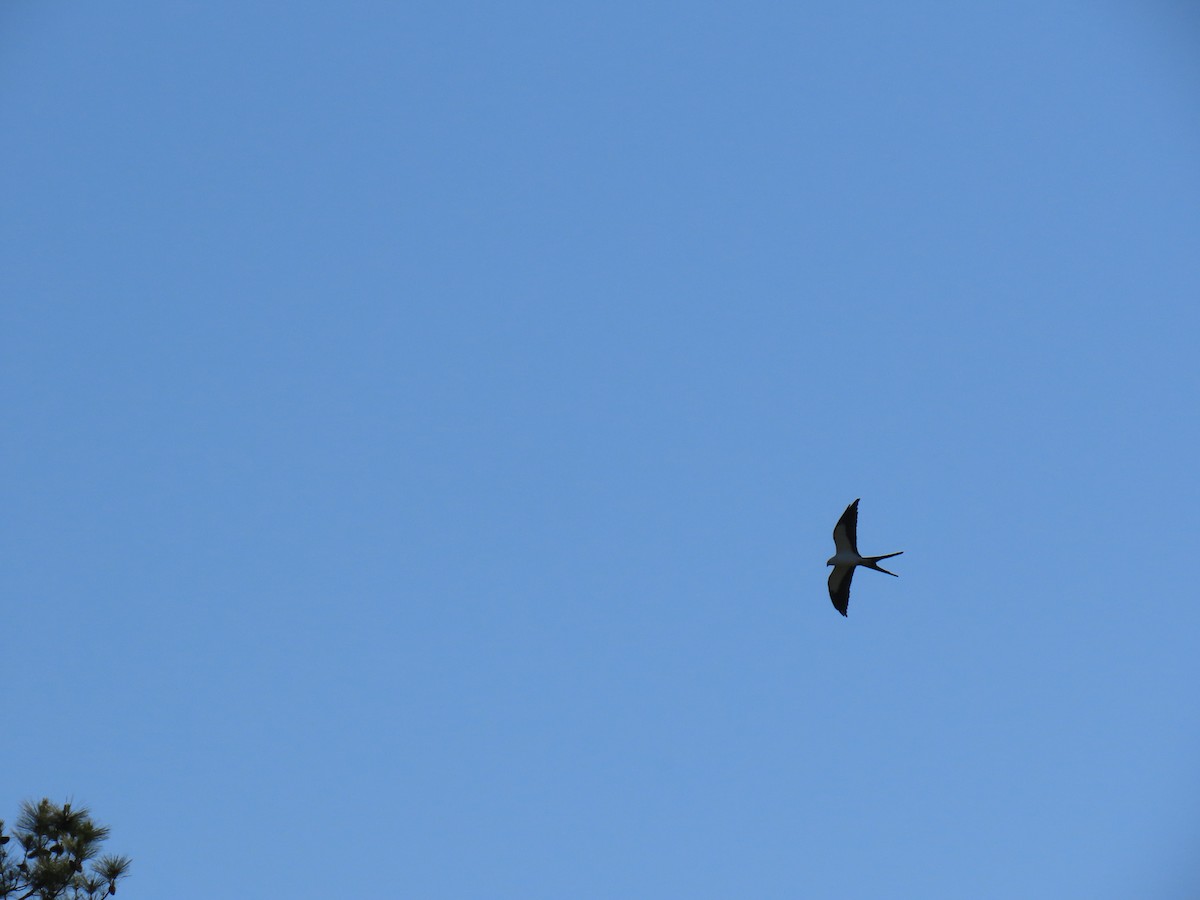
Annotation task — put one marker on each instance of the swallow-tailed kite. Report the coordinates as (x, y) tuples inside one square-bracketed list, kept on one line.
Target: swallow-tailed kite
[(845, 539)]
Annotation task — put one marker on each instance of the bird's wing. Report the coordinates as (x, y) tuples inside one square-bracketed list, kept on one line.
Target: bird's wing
[(845, 532), (839, 587)]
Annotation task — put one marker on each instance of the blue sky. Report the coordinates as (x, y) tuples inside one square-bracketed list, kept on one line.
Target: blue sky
[(424, 426)]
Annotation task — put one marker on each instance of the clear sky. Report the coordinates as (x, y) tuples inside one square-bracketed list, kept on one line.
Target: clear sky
[(424, 424)]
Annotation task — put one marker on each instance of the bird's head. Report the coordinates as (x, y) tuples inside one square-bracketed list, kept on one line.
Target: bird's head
[(829, 562)]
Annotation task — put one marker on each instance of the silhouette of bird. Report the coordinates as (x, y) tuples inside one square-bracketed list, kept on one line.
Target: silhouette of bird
[(847, 557)]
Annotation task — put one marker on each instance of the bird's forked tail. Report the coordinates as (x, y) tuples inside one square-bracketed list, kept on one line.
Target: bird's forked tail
[(872, 562)]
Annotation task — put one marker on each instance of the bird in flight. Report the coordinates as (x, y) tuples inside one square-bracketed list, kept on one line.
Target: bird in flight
[(845, 539)]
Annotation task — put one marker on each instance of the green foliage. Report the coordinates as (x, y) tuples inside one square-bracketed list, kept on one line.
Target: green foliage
[(46, 861)]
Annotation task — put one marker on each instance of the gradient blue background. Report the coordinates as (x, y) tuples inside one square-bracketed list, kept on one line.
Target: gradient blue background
[(424, 424)]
